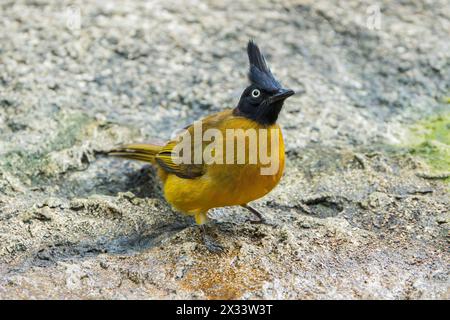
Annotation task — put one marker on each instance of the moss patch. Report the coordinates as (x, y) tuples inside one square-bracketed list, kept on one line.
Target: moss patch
[(430, 141)]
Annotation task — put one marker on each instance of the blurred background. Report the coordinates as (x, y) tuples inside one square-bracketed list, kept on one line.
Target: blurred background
[(362, 209)]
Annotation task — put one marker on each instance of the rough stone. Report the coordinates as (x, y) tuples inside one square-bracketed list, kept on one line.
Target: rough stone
[(354, 216)]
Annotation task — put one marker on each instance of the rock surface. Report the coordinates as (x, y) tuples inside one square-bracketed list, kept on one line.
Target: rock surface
[(355, 216)]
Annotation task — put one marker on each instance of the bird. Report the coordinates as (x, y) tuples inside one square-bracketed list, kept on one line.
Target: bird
[(195, 187)]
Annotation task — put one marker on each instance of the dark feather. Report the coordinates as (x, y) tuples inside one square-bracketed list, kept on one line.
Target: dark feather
[(256, 58), (259, 73)]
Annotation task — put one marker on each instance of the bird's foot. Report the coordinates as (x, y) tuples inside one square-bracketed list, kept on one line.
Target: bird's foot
[(209, 242), (261, 219), (212, 245)]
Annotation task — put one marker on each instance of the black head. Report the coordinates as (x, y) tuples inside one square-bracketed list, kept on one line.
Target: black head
[(263, 99)]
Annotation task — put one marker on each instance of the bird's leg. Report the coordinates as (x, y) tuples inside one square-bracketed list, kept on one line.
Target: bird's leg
[(211, 245), (255, 212), (201, 218)]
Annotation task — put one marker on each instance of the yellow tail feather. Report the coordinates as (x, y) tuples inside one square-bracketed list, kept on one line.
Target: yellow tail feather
[(137, 151)]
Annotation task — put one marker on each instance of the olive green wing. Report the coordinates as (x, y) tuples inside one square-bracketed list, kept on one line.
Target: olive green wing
[(172, 160)]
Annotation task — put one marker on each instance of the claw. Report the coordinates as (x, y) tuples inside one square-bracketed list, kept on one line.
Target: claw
[(261, 221), (256, 213), (212, 245)]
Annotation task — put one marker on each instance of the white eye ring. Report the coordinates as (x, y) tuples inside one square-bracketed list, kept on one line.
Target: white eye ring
[(256, 93)]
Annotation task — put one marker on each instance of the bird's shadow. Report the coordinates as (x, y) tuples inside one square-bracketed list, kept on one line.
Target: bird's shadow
[(143, 238), (111, 178), (107, 176)]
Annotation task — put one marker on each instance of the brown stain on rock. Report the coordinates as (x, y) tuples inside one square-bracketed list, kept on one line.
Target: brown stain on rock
[(222, 277)]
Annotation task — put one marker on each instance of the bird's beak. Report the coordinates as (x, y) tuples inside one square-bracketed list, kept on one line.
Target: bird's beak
[(281, 95)]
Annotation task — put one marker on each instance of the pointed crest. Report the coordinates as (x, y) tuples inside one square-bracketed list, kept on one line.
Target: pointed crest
[(259, 73)]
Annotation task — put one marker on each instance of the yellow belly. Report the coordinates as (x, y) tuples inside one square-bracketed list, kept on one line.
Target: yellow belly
[(223, 184)]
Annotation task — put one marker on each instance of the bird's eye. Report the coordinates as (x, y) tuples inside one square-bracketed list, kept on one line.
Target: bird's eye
[(256, 93)]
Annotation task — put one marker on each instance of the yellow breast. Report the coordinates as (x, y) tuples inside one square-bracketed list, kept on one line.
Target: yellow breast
[(229, 184)]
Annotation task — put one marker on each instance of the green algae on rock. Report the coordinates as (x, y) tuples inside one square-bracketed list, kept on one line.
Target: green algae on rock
[(430, 141)]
